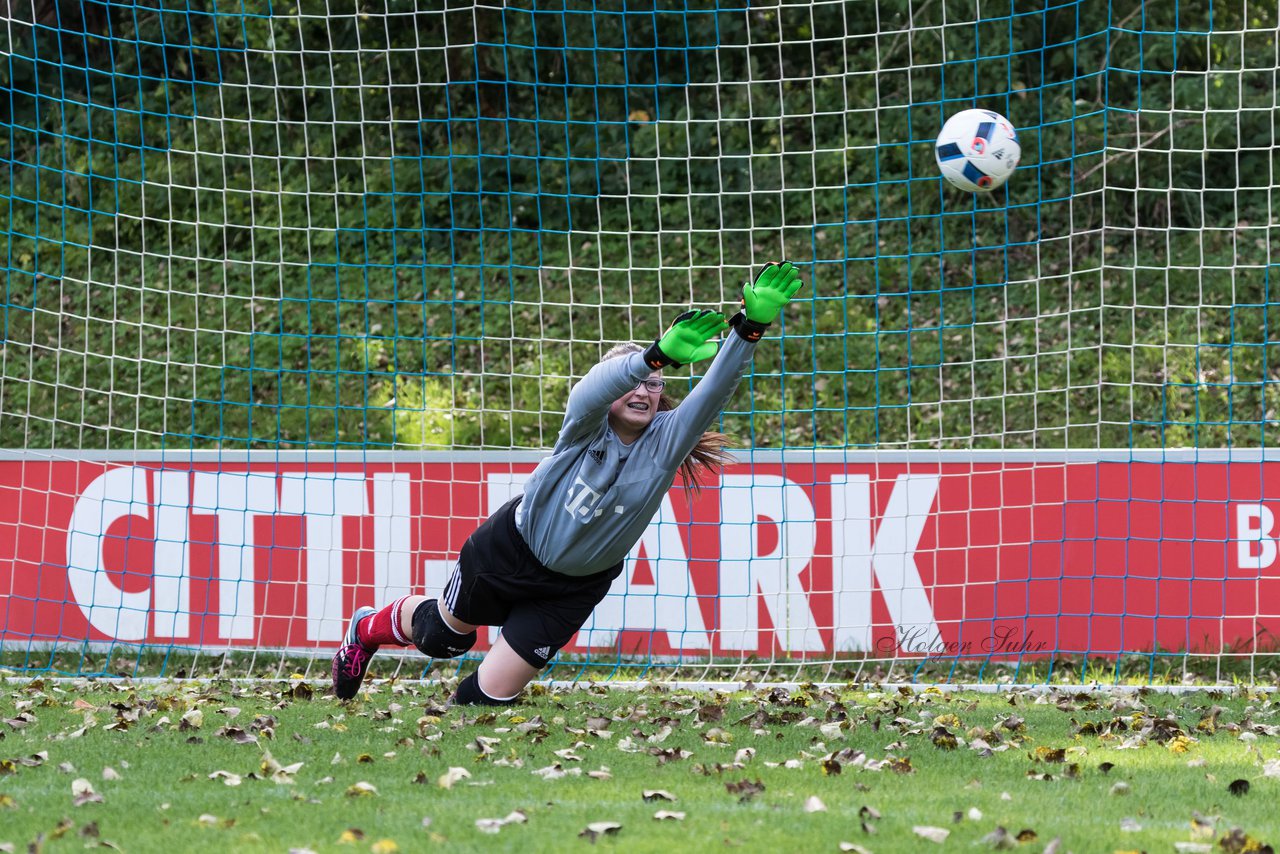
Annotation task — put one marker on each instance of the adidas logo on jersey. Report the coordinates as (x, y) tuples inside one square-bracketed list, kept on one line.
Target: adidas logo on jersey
[(596, 454), (543, 652)]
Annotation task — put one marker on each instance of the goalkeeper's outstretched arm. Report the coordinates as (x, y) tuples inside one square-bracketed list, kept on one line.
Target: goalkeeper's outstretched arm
[(762, 301), (688, 339)]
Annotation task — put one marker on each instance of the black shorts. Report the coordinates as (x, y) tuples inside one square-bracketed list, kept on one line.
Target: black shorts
[(499, 582)]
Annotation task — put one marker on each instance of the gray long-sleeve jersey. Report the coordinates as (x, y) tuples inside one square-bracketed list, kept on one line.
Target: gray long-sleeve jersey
[(587, 504)]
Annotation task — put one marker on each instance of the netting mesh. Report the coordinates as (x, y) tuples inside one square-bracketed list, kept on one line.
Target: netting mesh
[(404, 226)]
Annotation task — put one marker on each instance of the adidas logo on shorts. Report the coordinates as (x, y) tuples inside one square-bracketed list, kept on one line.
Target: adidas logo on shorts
[(543, 652)]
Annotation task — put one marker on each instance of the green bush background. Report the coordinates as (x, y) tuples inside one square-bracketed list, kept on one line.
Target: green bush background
[(412, 225)]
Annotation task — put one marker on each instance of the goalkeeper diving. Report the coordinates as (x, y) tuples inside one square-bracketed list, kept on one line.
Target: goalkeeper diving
[(542, 562)]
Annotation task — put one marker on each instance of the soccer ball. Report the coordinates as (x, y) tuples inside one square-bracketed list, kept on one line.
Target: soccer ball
[(978, 150)]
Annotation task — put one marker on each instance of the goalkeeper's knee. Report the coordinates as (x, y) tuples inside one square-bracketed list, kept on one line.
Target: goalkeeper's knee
[(434, 637), (469, 693)]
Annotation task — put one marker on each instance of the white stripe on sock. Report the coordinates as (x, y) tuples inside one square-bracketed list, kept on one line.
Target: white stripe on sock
[(395, 622)]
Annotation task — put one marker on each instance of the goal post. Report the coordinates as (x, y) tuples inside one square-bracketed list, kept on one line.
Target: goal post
[(293, 292)]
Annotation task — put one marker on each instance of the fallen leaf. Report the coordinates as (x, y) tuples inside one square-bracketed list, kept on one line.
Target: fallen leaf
[(745, 789), (999, 839), (657, 795), (361, 790), (277, 773), (236, 734), (555, 772), (82, 793), (226, 777), (109, 773), (453, 775), (1051, 754), (932, 834), (1238, 787), (814, 804), (384, 846), (668, 815), (597, 829), (1236, 841), (493, 825)]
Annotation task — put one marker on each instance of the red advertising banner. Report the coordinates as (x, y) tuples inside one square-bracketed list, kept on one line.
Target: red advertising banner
[(811, 556)]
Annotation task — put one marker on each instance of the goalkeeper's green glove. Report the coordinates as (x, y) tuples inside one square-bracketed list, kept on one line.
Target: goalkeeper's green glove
[(761, 302), (688, 340)]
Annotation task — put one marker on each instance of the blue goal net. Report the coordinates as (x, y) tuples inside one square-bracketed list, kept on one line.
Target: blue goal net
[(294, 295)]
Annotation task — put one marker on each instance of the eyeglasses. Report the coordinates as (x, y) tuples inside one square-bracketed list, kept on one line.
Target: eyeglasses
[(654, 386)]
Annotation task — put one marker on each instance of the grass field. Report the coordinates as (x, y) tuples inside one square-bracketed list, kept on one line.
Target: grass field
[(278, 766)]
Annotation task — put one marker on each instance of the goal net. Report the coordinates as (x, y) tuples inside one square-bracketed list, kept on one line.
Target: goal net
[(295, 293)]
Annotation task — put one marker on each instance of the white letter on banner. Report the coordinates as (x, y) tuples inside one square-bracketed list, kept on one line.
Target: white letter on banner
[(744, 498), (1253, 528), (112, 496), (171, 588), (324, 499), (668, 605), (392, 538), (235, 498), (892, 560)]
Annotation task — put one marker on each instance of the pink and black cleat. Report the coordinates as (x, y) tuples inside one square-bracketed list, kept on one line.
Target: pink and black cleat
[(351, 661)]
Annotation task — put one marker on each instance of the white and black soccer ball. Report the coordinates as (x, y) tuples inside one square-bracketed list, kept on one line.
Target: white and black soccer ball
[(978, 150)]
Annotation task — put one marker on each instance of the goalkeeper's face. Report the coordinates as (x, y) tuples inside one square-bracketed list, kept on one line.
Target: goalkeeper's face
[(630, 414)]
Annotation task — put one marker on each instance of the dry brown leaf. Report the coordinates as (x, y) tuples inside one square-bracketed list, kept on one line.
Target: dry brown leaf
[(597, 829), (745, 789), (226, 777), (453, 775), (82, 793), (932, 834)]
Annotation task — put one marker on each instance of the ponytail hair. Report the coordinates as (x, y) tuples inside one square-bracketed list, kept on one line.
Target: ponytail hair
[(707, 455)]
